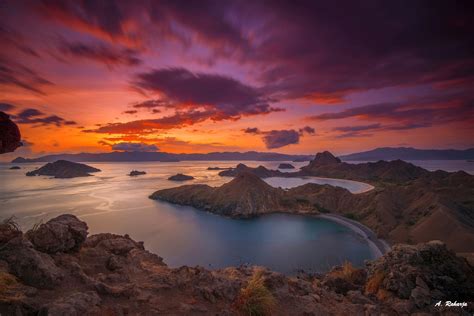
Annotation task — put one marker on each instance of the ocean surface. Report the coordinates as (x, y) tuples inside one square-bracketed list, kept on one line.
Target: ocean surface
[(112, 201)]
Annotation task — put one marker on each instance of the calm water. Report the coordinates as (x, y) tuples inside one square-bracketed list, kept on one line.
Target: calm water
[(111, 201)]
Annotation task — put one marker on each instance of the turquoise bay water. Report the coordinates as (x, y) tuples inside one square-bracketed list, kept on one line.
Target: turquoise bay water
[(111, 201)]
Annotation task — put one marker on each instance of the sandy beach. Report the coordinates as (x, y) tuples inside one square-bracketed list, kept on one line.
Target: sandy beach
[(378, 246)]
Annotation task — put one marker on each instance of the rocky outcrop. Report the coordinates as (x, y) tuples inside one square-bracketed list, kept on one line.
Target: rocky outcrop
[(180, 177), (114, 275), (64, 233), (135, 173), (260, 171), (245, 196), (10, 137), (63, 169), (396, 171), (286, 166)]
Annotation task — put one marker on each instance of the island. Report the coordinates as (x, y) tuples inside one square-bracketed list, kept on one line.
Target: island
[(260, 171), (407, 205), (14, 168), (58, 269), (286, 166), (63, 169), (218, 168), (180, 177), (135, 173)]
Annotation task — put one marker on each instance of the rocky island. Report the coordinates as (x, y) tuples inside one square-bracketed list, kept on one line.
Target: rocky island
[(15, 168), (409, 204), (180, 177), (286, 166), (57, 269), (260, 171), (63, 169), (135, 173)]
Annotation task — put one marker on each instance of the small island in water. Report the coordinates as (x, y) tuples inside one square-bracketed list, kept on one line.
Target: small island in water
[(64, 169)]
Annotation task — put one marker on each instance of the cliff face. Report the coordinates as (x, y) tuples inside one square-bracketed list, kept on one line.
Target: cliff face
[(109, 274), (63, 169)]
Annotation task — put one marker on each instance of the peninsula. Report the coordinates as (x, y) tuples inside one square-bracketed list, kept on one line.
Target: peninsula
[(408, 204)]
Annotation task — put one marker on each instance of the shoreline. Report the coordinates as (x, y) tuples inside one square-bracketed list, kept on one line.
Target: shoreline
[(378, 246)]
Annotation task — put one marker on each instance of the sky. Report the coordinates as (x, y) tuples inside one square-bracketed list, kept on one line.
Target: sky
[(203, 76)]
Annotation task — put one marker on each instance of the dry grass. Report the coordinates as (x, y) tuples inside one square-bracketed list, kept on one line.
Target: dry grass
[(8, 230), (9, 287), (255, 299), (374, 282)]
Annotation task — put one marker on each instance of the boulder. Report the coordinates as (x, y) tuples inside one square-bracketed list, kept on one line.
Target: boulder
[(76, 304), (65, 233), (29, 265)]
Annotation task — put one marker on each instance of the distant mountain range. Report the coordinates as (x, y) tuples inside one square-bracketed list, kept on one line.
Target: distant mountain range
[(407, 153), (166, 157)]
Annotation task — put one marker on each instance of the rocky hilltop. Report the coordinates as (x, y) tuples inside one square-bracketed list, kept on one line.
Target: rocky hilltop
[(57, 270), (260, 171), (63, 169)]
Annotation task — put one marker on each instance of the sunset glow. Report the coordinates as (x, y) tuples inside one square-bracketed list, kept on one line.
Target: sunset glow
[(179, 76)]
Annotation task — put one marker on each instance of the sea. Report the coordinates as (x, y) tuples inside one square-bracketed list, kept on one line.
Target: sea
[(111, 201)]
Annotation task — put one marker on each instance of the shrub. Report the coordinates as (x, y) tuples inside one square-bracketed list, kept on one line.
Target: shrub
[(374, 282), (255, 299), (351, 216), (8, 230)]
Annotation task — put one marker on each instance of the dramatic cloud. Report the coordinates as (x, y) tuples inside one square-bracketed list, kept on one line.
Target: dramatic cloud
[(280, 138), (15, 74), (415, 113), (130, 112), (149, 104), (134, 147), (34, 116), (177, 120), (6, 107), (311, 50), (224, 97), (105, 54)]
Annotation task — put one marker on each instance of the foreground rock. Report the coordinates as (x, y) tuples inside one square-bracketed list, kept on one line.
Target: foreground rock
[(113, 275), (64, 233), (180, 177), (10, 137), (64, 169), (286, 166), (135, 173)]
